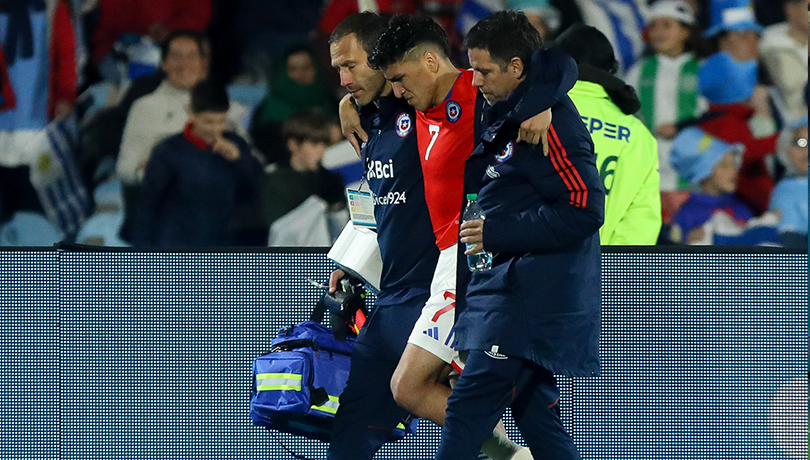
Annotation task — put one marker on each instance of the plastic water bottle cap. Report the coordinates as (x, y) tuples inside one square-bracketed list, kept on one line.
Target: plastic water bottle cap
[(472, 197)]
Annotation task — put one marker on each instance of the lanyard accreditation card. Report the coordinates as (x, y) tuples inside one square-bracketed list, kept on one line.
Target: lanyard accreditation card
[(361, 208)]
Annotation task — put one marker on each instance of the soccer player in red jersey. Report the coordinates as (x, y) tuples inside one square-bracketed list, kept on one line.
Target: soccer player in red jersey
[(413, 54)]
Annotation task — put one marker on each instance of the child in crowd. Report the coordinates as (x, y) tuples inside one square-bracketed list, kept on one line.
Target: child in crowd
[(666, 79), (300, 175), (195, 181), (728, 85), (712, 214), (789, 197), (735, 31)]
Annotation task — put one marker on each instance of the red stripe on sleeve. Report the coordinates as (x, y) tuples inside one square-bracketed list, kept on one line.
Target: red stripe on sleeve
[(556, 160), (570, 166)]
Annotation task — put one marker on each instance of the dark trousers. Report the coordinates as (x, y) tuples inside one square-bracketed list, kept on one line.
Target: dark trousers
[(368, 414), (490, 383)]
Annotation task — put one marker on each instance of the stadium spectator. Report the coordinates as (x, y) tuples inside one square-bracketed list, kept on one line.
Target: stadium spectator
[(789, 197), (38, 78), (39, 48), (102, 132), (300, 175), (666, 79), (712, 214), (784, 53), (728, 85), (736, 32), (299, 85), (163, 112), (735, 29), (146, 17), (196, 180)]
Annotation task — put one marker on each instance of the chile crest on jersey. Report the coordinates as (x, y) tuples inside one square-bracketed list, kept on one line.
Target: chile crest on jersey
[(404, 124), (453, 111), (506, 153)]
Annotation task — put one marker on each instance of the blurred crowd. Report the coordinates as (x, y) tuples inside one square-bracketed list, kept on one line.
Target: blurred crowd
[(209, 123)]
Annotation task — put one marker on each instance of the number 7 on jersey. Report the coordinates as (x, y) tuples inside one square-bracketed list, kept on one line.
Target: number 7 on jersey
[(434, 133)]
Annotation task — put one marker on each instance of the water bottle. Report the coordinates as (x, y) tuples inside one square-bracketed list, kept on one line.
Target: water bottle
[(481, 260)]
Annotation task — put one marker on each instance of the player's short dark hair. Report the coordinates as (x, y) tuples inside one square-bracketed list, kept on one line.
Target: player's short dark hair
[(307, 125), (203, 45), (505, 35), (404, 33), (366, 26), (208, 96)]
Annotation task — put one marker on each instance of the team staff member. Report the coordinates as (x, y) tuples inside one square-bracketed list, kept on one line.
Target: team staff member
[(368, 413), (626, 151), (537, 311)]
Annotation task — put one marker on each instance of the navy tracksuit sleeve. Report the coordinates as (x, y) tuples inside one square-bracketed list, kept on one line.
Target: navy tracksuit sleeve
[(565, 217), (551, 75)]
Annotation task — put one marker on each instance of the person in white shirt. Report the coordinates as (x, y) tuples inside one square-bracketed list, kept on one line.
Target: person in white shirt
[(164, 112), (666, 80), (783, 50)]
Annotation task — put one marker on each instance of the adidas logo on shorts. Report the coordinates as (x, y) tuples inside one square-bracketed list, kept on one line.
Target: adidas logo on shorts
[(433, 333)]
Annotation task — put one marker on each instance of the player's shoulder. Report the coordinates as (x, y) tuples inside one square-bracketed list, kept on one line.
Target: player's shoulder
[(463, 89)]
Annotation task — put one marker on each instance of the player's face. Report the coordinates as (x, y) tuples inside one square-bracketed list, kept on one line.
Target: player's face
[(411, 79), (351, 61), (494, 82)]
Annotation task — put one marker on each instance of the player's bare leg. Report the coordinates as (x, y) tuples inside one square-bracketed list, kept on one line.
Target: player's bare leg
[(418, 385)]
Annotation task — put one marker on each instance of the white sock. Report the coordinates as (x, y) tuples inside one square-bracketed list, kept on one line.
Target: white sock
[(499, 447)]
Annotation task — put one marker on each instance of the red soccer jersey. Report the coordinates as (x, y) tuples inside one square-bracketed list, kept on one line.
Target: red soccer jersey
[(446, 137)]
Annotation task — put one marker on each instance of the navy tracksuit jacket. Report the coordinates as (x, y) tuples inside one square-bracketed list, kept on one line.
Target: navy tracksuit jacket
[(537, 311), (542, 299)]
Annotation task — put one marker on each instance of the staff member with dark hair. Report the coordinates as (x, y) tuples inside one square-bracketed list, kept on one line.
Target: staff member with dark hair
[(537, 311)]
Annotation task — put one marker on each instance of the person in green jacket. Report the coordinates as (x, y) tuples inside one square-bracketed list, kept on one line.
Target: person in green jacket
[(626, 151), (298, 85)]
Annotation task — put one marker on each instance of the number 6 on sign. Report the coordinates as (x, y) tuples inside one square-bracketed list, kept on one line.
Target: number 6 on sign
[(434, 132)]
